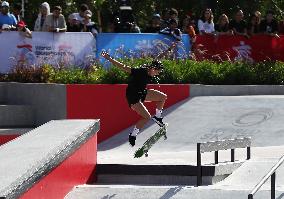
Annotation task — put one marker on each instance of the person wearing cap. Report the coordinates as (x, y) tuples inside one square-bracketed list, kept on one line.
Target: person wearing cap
[(172, 30), (44, 10), (7, 20), (55, 22), (23, 30), (137, 92), (88, 25)]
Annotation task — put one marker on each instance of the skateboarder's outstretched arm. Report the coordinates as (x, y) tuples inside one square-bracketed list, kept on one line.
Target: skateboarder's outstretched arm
[(162, 54), (115, 62)]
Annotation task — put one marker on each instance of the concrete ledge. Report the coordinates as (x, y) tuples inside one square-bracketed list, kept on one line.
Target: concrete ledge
[(30, 157), (235, 90)]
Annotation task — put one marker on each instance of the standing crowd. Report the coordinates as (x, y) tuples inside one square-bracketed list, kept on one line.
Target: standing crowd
[(47, 20), (166, 22)]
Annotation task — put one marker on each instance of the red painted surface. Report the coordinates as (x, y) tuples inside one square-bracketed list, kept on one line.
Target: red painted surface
[(78, 169), (7, 138), (108, 103), (257, 48)]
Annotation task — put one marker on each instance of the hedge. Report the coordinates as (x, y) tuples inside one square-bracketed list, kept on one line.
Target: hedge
[(175, 72)]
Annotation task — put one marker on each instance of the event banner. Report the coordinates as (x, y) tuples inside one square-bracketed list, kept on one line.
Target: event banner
[(68, 49), (139, 45), (254, 49)]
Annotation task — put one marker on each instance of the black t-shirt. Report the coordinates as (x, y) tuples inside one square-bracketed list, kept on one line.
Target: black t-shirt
[(138, 79), (219, 28), (253, 28), (269, 27), (151, 29), (239, 26)]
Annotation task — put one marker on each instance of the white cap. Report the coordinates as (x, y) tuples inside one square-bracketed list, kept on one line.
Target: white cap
[(5, 3)]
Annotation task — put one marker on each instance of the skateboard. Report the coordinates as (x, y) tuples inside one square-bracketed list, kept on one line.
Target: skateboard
[(151, 141)]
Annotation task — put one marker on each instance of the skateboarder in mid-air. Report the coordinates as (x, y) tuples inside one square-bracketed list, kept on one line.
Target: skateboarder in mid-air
[(137, 93)]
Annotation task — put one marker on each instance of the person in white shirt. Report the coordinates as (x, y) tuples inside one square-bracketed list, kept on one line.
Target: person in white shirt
[(44, 10), (205, 23), (80, 16)]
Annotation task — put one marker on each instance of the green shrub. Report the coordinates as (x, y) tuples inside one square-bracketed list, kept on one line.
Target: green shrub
[(175, 72)]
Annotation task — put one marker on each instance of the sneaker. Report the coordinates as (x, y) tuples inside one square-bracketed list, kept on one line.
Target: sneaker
[(131, 139), (158, 120)]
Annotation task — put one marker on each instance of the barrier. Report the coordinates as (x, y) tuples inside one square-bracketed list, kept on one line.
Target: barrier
[(61, 48), (257, 48), (131, 45)]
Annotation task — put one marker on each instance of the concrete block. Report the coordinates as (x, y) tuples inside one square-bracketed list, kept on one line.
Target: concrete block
[(48, 100), (16, 116), (29, 158)]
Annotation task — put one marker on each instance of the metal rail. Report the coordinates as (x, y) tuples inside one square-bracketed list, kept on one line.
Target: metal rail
[(272, 174), (216, 146)]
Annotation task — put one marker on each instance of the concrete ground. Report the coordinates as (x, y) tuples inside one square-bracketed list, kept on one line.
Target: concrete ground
[(202, 119)]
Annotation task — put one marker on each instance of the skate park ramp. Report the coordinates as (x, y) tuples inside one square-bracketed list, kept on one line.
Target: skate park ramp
[(200, 119), (203, 119)]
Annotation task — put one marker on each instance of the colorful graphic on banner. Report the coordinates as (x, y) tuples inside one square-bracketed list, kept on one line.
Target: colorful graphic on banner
[(131, 45), (68, 49), (254, 49)]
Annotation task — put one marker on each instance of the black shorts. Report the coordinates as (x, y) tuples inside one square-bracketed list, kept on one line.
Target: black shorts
[(134, 97)]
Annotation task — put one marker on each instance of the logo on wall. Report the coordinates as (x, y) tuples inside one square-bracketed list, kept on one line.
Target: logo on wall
[(243, 52), (25, 55)]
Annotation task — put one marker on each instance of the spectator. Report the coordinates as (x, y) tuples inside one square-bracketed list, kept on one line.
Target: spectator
[(44, 10), (238, 25), (81, 14), (188, 28), (269, 25), (172, 30), (125, 21), (55, 22), (88, 25), (7, 21), (17, 11), (165, 18), (73, 24), (23, 30), (155, 24), (253, 25), (222, 26), (205, 23), (258, 14), (173, 14)]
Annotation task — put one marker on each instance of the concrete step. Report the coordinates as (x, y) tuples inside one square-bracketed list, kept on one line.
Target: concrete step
[(16, 116), (163, 174), (160, 192)]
